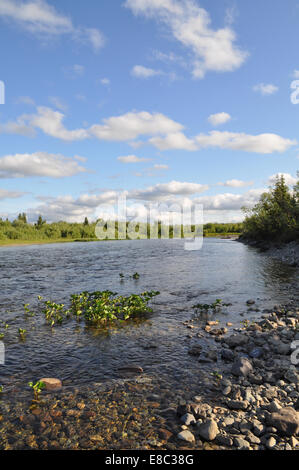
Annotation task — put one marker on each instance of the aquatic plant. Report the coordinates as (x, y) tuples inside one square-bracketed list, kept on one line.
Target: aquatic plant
[(22, 333), (99, 308), (1, 388), (136, 276), (1, 335), (215, 307), (37, 388)]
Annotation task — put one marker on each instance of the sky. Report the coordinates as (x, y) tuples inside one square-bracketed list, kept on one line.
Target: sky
[(162, 101)]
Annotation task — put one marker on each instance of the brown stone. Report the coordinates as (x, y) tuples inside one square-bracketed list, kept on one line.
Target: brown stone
[(52, 384), (286, 421), (165, 434), (131, 368)]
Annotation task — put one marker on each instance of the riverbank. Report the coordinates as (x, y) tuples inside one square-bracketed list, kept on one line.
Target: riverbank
[(285, 252), (246, 398)]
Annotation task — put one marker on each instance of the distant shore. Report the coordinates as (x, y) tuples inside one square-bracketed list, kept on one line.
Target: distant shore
[(12, 243)]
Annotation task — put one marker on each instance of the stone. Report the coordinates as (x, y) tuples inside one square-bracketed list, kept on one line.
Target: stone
[(286, 421), (250, 302), (242, 367), (256, 353), (52, 384), (241, 444), (227, 355), (188, 419), (224, 440), (164, 434), (270, 443), (208, 430), (186, 436), (238, 404), (195, 350), (131, 368), (236, 340)]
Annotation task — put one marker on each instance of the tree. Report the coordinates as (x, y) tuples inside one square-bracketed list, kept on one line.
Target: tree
[(86, 221), (275, 216)]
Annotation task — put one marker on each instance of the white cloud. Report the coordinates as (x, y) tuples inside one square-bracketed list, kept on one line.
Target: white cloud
[(164, 133), (58, 103), (38, 164), (295, 74), (236, 183), (213, 50), (38, 17), (266, 89), (131, 125), (50, 122), (144, 72), (219, 118), (262, 143), (230, 201), (132, 159), (25, 100), (164, 190), (158, 166), (174, 141), (289, 179), (4, 194), (105, 81)]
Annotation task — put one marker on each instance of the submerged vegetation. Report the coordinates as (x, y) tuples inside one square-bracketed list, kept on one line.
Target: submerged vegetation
[(100, 308), (205, 309), (276, 216)]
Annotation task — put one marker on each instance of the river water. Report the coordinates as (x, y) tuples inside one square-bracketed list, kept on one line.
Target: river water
[(221, 269)]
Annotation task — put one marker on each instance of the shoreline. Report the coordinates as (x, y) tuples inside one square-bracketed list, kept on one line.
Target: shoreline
[(14, 243), (286, 252)]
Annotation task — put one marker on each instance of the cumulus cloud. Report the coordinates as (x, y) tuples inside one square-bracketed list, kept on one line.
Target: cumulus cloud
[(213, 50), (38, 164), (289, 179), (262, 143), (38, 17), (139, 71), (4, 194), (229, 201), (163, 132), (219, 118), (165, 190), (132, 159), (266, 89)]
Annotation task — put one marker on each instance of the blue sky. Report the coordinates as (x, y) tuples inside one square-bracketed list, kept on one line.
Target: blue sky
[(170, 101)]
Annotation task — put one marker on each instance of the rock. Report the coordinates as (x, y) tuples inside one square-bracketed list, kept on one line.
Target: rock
[(226, 391), (227, 355), (242, 367), (164, 434), (258, 428), (256, 353), (286, 421), (208, 430), (238, 404), (293, 442), (195, 350), (236, 340), (188, 419), (52, 384), (270, 443), (241, 444), (186, 436), (131, 368), (224, 440), (292, 375), (250, 302)]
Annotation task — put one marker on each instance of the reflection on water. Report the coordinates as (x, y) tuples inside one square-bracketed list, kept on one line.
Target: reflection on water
[(222, 269)]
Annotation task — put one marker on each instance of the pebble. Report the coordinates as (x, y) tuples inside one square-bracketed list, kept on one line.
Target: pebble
[(186, 436)]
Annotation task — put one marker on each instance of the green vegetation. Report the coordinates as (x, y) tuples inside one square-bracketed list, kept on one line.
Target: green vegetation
[(101, 308), (20, 231), (214, 308), (276, 216), (37, 388)]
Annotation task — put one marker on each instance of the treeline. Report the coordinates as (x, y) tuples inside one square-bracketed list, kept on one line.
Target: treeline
[(20, 229), (276, 216)]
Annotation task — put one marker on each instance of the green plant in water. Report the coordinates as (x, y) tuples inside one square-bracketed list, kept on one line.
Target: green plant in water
[(37, 388), (99, 308), (121, 275), (1, 335), (215, 307), (22, 333), (1, 388), (136, 276), (218, 376)]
